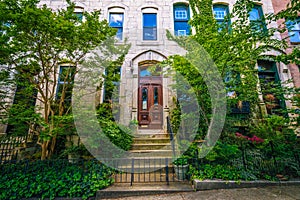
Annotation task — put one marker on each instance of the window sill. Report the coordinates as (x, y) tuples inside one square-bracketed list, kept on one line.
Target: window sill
[(149, 43), (295, 43)]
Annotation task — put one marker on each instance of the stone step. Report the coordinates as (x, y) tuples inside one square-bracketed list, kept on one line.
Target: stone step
[(146, 135), (151, 131), (121, 190), (152, 153), (151, 146), (151, 140)]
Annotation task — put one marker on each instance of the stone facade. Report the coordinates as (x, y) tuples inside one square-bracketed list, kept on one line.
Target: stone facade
[(154, 50)]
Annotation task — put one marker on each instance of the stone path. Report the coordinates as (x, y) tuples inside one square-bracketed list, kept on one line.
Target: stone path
[(266, 193)]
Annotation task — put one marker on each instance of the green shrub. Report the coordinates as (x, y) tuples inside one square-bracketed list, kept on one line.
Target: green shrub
[(224, 172), (119, 135)]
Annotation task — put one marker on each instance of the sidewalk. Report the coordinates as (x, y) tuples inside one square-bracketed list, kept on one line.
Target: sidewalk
[(264, 193)]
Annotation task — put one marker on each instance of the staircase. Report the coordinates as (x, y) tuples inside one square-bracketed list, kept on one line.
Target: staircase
[(151, 159), (151, 150), (153, 143)]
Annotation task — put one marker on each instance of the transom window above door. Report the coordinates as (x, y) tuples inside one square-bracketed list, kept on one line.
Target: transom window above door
[(148, 71)]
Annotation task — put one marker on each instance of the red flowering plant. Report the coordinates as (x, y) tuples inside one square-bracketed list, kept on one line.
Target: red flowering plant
[(253, 139)]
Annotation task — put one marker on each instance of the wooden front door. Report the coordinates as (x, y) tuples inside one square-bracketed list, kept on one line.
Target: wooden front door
[(150, 109)]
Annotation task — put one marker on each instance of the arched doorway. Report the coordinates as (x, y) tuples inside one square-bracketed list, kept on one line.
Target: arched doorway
[(150, 95)]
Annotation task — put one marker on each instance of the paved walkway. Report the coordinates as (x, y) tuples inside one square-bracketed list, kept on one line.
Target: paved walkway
[(266, 193)]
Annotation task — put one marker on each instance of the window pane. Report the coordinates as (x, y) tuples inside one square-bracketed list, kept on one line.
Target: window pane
[(149, 20), (144, 98), (220, 12), (181, 28), (66, 73), (155, 96), (145, 72), (181, 13), (294, 30), (294, 36), (116, 19), (119, 33), (149, 33), (254, 14), (79, 15)]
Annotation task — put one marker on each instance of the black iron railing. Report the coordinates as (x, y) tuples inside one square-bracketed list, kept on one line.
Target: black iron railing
[(171, 135), (10, 147)]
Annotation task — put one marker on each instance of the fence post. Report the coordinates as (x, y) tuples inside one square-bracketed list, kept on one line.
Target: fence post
[(132, 172), (167, 171)]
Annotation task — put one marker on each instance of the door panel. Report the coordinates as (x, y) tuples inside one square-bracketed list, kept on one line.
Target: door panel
[(150, 106)]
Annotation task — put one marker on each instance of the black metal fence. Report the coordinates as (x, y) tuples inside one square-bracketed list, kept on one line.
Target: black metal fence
[(256, 163), (10, 147), (146, 170)]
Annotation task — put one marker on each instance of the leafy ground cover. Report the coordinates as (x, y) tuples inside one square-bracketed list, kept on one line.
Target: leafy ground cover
[(51, 179)]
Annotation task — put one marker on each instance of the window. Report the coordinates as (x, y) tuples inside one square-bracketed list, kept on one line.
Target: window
[(294, 30), (181, 17), (78, 11), (65, 83), (116, 21), (149, 26), (256, 18), (220, 13), (269, 81)]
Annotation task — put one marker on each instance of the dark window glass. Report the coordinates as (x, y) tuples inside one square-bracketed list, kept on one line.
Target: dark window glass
[(155, 96), (144, 98)]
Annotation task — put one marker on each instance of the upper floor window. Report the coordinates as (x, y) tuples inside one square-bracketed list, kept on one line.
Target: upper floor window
[(78, 11), (256, 18), (149, 26), (220, 13), (294, 30), (116, 21), (181, 18)]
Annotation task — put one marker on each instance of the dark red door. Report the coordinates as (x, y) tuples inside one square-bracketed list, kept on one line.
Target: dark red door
[(150, 109)]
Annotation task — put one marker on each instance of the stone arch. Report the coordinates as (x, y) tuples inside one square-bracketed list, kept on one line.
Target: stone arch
[(149, 55)]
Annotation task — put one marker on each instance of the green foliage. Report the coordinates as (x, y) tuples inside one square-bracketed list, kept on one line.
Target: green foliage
[(34, 42), (223, 153), (120, 136), (224, 172), (52, 179), (175, 116), (271, 128), (182, 160)]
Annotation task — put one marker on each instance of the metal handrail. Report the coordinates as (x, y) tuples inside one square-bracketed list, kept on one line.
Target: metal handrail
[(170, 132)]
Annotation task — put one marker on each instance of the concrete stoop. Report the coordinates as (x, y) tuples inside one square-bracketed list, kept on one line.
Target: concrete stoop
[(119, 190)]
